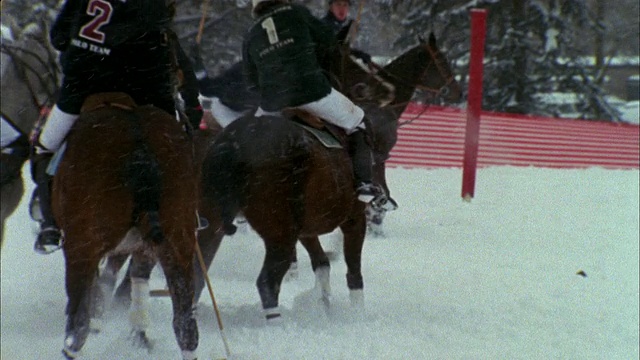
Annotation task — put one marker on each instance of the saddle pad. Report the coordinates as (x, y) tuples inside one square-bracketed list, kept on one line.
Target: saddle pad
[(328, 140), (55, 160)]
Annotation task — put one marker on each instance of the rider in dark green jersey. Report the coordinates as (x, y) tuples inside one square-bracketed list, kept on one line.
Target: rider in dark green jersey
[(281, 53)]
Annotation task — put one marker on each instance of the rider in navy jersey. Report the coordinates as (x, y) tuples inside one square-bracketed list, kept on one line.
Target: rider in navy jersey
[(106, 46), (282, 55)]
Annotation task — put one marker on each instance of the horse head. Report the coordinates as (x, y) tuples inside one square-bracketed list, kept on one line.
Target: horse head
[(355, 80), (437, 78), (30, 76)]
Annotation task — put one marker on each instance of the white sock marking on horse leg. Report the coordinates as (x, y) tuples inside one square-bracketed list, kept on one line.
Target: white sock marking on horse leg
[(139, 311), (273, 315), (323, 283), (189, 355), (357, 298)]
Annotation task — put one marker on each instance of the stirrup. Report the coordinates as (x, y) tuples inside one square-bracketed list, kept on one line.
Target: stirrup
[(384, 203), (366, 192), (49, 240)]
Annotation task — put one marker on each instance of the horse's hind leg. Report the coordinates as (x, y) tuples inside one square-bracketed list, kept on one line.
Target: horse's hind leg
[(320, 265), (178, 270), (80, 278), (276, 263), (139, 272), (354, 232)]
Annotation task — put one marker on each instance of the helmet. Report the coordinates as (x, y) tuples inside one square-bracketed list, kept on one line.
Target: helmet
[(255, 3)]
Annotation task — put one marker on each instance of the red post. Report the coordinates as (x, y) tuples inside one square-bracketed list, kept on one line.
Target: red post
[(474, 102)]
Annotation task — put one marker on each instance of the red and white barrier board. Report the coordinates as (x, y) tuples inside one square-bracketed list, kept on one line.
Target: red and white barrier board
[(435, 138)]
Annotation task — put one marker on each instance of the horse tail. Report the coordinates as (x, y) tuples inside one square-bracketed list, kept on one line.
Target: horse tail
[(143, 178), (223, 180)]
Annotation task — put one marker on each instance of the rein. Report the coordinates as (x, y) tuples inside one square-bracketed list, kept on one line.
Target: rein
[(442, 91)]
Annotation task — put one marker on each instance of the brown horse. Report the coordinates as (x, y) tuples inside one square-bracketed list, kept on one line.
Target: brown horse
[(126, 170), (347, 75), (423, 67), (30, 78), (289, 186)]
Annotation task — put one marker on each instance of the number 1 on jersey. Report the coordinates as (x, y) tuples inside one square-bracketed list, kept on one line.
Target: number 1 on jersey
[(270, 27)]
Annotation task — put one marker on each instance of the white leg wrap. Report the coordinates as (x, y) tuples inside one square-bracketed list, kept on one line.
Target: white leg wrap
[(189, 355), (56, 128), (323, 283), (272, 314), (139, 311), (357, 298)]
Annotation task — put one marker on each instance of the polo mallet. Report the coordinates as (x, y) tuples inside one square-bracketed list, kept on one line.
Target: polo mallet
[(356, 22), (203, 267), (205, 8)]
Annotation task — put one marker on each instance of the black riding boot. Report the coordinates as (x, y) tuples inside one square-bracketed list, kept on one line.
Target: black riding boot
[(49, 238), (362, 159)]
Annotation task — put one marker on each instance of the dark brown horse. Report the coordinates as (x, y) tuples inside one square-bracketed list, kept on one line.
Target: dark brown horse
[(290, 186), (127, 173), (423, 67)]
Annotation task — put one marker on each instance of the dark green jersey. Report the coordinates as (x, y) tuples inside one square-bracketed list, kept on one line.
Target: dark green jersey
[(280, 55)]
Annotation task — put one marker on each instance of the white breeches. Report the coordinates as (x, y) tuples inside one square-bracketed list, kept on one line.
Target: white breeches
[(56, 128), (336, 109)]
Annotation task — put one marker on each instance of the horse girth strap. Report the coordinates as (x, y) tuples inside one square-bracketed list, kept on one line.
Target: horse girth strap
[(114, 99)]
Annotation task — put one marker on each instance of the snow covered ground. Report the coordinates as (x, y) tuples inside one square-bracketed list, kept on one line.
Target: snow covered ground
[(495, 278)]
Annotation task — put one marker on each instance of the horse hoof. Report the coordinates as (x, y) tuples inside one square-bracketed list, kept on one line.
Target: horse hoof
[(68, 351), (69, 354)]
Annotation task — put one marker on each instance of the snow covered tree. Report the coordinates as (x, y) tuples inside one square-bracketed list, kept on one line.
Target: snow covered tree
[(530, 50)]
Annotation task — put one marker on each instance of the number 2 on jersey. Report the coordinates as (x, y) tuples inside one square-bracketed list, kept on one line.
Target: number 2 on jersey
[(270, 27), (101, 12)]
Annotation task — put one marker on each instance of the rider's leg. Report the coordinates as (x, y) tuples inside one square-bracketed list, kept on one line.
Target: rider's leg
[(339, 110), (53, 133)]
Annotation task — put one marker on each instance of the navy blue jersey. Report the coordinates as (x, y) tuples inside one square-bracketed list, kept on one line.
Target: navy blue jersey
[(115, 45), (281, 56)]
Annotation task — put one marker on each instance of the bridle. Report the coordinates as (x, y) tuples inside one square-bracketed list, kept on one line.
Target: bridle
[(442, 71)]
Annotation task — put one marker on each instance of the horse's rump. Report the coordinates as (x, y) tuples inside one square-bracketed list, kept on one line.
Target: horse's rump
[(127, 169), (270, 160), (120, 163)]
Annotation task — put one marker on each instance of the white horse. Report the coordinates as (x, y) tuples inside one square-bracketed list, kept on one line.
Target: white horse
[(30, 79)]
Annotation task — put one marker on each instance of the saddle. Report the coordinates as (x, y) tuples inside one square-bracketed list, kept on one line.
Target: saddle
[(116, 99), (331, 136)]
